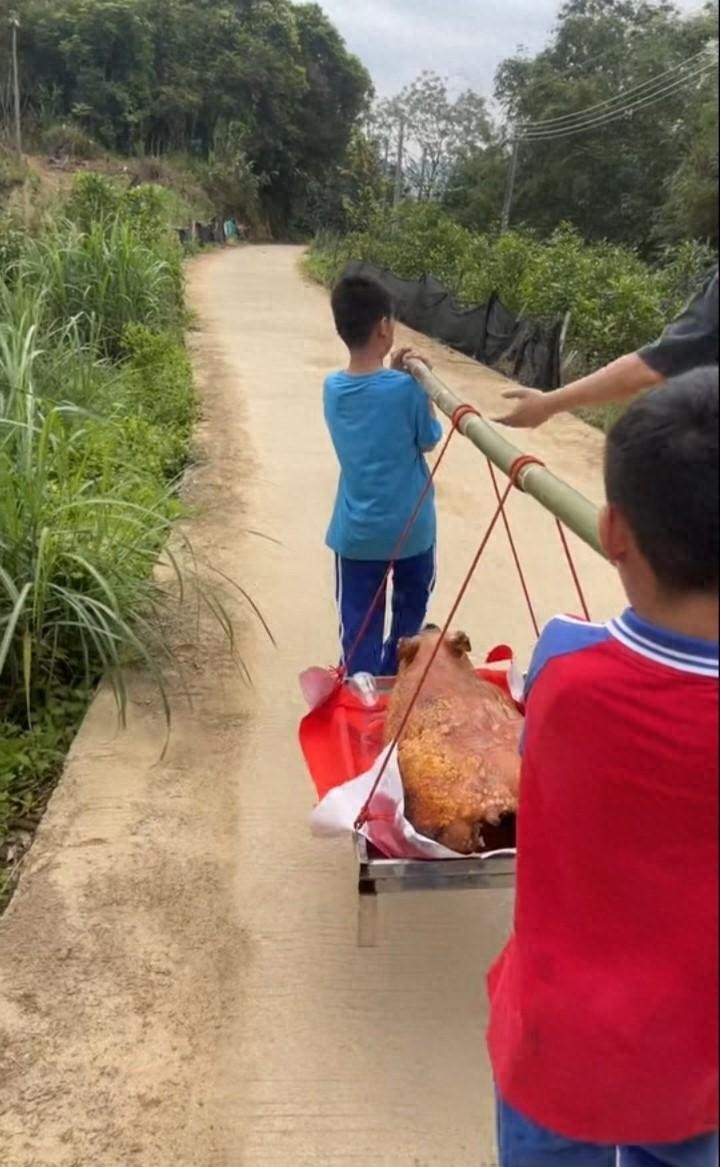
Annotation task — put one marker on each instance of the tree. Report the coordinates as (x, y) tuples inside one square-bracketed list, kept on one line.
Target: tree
[(476, 188), (611, 181), (336, 91), (161, 75), (352, 196), (691, 208), (437, 131)]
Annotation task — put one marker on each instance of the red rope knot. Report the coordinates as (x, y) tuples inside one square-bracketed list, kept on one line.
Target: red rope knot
[(462, 412), (520, 464)]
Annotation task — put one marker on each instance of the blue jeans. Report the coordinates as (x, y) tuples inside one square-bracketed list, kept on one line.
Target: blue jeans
[(357, 582), (523, 1144)]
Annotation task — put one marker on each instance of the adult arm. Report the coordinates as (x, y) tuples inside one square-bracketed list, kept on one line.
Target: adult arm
[(620, 381), (687, 343)]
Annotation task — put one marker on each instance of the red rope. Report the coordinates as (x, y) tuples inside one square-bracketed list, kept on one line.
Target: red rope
[(461, 412), (573, 571), (515, 552), (364, 815), (516, 471), (515, 481), (515, 475)]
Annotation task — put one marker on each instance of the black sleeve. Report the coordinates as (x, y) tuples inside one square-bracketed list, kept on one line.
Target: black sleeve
[(690, 341)]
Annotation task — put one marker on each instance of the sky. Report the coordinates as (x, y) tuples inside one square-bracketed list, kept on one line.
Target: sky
[(464, 40)]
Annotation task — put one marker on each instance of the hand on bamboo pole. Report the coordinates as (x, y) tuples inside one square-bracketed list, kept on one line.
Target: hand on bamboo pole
[(619, 382), (401, 356), (562, 500)]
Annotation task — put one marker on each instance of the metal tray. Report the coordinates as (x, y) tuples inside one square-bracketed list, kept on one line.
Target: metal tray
[(380, 876), (392, 876)]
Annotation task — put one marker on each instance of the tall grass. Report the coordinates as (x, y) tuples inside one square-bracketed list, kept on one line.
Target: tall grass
[(96, 413), (75, 565), (104, 279)]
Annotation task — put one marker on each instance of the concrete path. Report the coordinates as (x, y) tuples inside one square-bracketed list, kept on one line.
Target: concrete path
[(179, 979)]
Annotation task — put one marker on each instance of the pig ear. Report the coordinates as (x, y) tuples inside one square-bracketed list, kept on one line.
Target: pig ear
[(408, 649), (460, 644)]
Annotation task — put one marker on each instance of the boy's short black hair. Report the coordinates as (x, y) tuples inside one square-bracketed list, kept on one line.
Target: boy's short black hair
[(661, 471), (359, 304)]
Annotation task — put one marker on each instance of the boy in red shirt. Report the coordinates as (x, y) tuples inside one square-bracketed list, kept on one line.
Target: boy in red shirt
[(604, 1006)]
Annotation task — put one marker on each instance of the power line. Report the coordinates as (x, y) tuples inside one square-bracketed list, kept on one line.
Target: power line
[(614, 115), (622, 95), (647, 100), (617, 114)]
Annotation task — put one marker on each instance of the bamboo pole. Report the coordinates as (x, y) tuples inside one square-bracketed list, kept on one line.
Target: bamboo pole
[(575, 511)]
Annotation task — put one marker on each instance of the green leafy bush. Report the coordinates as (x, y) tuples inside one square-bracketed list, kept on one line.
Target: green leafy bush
[(616, 301), (67, 139), (13, 171), (13, 240), (159, 391)]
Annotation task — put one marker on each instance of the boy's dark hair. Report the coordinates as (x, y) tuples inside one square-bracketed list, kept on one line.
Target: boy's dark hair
[(359, 304), (661, 471)]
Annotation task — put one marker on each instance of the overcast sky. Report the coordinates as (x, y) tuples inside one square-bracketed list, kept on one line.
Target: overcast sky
[(461, 39)]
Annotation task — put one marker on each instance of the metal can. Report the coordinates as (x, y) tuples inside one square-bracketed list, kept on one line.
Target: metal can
[(366, 688)]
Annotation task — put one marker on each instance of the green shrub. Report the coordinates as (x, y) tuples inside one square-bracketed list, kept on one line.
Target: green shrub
[(31, 759), (96, 413), (616, 301), (13, 171), (66, 139), (13, 241), (160, 391), (93, 199)]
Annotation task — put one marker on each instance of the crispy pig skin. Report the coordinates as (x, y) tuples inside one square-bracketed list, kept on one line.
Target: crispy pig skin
[(458, 754)]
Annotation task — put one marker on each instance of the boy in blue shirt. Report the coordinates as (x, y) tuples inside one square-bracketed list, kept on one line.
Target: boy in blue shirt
[(382, 424)]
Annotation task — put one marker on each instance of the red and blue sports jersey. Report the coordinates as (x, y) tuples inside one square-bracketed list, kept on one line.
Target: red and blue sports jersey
[(604, 1006)]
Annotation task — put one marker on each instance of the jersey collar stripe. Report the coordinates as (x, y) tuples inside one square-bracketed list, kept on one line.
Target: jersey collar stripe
[(686, 663), (708, 654)]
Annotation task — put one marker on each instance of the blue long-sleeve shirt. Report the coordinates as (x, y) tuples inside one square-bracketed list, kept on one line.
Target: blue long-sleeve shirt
[(381, 426)]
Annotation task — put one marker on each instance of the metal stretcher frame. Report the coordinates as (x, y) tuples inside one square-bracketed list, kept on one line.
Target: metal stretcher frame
[(379, 876), (484, 873), (496, 872)]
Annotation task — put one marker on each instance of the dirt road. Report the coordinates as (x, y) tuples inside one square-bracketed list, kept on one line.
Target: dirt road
[(179, 979)]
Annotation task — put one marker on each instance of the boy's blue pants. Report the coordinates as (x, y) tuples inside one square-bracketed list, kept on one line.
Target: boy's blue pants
[(356, 584), (523, 1144)]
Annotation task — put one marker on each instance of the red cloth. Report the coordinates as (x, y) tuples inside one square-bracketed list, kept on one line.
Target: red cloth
[(604, 1006), (342, 738)]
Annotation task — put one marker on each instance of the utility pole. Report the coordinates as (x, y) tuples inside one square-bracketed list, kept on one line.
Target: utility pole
[(14, 26), (510, 192), (399, 165)]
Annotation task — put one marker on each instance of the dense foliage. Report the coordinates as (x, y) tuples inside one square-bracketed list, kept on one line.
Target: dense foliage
[(617, 302), (96, 411), (179, 75), (642, 178)]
